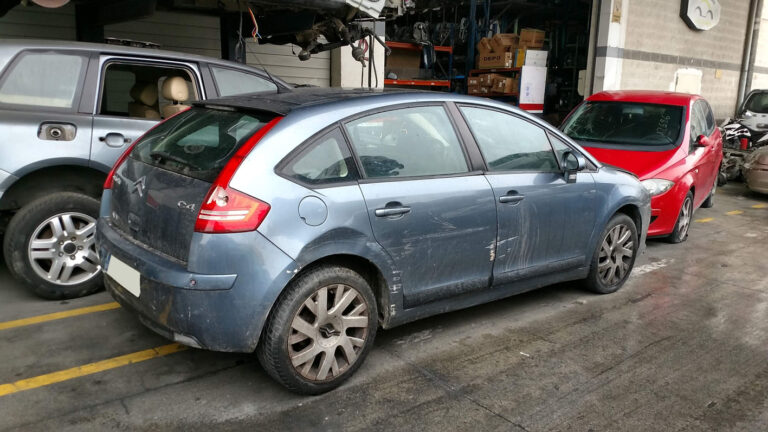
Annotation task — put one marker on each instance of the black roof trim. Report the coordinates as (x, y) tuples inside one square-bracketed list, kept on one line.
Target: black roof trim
[(286, 101)]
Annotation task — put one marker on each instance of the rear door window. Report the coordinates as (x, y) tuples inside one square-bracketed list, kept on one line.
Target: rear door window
[(232, 82), (140, 90), (509, 143), (199, 142), (44, 79), (325, 161), (408, 142)]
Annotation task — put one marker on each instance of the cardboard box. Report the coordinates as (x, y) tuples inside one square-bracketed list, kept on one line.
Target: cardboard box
[(478, 90), (487, 80), (505, 86), (473, 81), (404, 63), (531, 38), (528, 57), (491, 61), (535, 58), (484, 46), (505, 42)]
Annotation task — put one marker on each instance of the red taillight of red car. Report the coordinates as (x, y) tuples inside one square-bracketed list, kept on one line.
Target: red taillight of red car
[(227, 210)]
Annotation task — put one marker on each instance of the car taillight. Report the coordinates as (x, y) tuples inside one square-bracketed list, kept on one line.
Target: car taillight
[(227, 210), (111, 176)]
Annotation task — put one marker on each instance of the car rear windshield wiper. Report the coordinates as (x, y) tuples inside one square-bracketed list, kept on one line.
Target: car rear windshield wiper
[(160, 155)]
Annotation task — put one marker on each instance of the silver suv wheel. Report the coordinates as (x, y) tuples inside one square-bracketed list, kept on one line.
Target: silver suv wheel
[(62, 250)]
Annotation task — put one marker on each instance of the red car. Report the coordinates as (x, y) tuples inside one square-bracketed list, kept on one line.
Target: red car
[(669, 140)]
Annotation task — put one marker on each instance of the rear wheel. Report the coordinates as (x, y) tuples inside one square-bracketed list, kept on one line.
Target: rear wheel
[(50, 246), (614, 257), (320, 330), (683, 224)]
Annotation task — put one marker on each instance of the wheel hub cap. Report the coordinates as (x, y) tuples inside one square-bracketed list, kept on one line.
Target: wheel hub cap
[(62, 250), (328, 332), (616, 254)]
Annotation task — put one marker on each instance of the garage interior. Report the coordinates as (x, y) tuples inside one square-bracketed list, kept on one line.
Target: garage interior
[(681, 347)]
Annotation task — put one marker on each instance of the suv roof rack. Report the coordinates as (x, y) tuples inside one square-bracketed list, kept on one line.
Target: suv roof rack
[(131, 43)]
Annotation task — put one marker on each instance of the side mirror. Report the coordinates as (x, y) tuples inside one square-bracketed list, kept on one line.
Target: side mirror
[(572, 164), (702, 141)]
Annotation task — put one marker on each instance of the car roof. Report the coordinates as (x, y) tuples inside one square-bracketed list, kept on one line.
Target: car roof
[(286, 101), (646, 96), (27, 44)]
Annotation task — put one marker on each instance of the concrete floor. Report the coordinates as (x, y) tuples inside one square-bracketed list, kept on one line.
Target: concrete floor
[(683, 346)]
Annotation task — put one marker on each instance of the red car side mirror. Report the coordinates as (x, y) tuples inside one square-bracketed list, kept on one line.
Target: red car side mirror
[(702, 141)]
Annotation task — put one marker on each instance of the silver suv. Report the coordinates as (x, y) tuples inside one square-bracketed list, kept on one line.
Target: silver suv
[(67, 112)]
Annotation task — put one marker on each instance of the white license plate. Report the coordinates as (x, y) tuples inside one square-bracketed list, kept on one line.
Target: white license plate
[(125, 275)]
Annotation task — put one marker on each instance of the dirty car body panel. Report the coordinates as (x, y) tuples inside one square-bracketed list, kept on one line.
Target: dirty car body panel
[(433, 247)]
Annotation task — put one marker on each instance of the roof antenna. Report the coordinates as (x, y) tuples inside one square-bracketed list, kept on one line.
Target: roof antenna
[(255, 34)]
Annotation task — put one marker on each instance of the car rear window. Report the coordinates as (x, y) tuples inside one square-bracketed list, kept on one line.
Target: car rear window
[(199, 142), (626, 123)]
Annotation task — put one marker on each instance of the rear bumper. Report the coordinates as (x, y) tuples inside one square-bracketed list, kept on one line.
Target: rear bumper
[(220, 312)]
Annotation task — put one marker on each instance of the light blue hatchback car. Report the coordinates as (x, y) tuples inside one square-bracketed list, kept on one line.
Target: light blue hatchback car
[(295, 224)]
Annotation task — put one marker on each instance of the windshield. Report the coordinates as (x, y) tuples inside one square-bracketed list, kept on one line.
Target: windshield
[(199, 142), (625, 123), (757, 103)]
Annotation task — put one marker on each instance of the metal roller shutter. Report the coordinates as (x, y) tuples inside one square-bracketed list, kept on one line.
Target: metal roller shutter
[(174, 31), (39, 23), (281, 61)]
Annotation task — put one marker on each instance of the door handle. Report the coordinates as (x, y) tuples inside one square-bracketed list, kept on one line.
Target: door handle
[(392, 211), (511, 198), (114, 139)]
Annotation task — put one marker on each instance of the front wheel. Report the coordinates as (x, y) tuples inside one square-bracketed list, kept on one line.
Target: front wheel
[(614, 257), (320, 330), (50, 246)]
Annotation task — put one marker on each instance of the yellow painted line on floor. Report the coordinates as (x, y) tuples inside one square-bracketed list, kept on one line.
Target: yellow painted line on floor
[(89, 369), (759, 206), (734, 212), (58, 315), (704, 220)]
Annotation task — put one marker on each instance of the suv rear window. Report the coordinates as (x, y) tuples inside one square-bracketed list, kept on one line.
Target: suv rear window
[(43, 79), (199, 142), (628, 123)]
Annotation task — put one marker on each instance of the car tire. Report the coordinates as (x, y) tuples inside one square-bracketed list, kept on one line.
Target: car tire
[(63, 226), (683, 222), (710, 201), (301, 360), (614, 256)]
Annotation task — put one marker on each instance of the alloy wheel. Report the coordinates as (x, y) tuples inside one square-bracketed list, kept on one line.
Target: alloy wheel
[(62, 250), (616, 254), (684, 221), (328, 332)]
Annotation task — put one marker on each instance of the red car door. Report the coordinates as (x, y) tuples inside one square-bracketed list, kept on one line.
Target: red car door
[(705, 155)]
